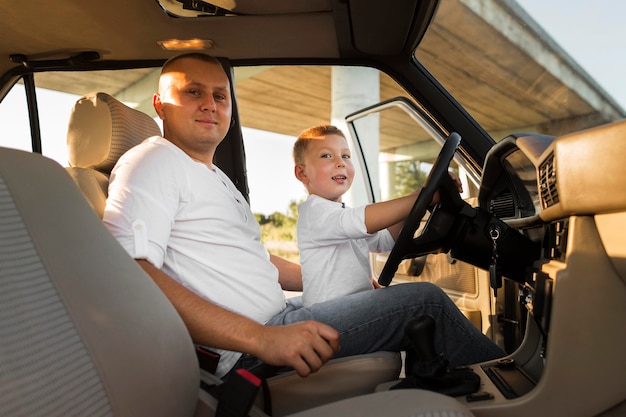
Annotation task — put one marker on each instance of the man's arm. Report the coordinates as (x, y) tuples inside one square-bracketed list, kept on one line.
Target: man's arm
[(304, 346), (289, 273)]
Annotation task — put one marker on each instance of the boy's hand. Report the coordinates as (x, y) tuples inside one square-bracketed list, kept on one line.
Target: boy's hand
[(458, 183)]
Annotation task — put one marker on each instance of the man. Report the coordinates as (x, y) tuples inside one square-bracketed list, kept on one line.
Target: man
[(190, 229)]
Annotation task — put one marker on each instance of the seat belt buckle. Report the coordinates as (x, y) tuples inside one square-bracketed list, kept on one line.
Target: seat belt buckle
[(207, 359), (236, 396)]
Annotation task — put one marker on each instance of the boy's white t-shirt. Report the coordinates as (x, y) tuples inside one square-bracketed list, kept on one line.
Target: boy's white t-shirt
[(192, 222), (334, 249)]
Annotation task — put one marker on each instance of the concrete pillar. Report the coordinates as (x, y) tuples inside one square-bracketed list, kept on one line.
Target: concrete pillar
[(353, 88)]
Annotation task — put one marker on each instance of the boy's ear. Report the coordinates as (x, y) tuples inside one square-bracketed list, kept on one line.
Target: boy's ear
[(298, 170)]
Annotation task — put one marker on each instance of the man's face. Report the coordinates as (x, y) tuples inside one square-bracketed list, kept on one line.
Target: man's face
[(195, 104)]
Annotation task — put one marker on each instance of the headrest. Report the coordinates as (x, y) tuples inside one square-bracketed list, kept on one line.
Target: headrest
[(101, 129)]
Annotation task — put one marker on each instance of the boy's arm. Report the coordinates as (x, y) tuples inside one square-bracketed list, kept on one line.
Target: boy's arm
[(391, 214), (395, 229)]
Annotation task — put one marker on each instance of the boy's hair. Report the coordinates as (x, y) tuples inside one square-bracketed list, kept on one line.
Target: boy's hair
[(302, 143)]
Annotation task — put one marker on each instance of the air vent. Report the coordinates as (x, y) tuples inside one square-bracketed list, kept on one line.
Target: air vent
[(547, 183), (503, 206)]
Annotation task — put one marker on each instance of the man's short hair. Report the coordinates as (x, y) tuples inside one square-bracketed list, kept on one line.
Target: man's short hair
[(192, 55), (315, 132)]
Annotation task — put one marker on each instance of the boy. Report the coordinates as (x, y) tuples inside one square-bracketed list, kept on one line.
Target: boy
[(331, 236)]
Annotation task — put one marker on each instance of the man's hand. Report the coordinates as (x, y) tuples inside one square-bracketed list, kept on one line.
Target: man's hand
[(304, 346)]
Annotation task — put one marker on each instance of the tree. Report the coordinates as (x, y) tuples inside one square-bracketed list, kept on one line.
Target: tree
[(408, 177)]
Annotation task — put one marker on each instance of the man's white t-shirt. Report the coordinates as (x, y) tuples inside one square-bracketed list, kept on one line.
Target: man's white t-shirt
[(334, 249), (192, 222)]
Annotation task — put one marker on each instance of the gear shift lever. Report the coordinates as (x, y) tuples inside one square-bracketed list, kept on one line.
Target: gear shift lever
[(430, 370), (421, 333)]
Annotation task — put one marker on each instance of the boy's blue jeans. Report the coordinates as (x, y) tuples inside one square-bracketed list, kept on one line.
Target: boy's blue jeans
[(374, 320)]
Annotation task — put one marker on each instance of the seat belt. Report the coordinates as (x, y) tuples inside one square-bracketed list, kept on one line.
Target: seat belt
[(236, 395)]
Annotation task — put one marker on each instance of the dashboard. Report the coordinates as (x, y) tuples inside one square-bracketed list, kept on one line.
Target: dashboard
[(529, 179), (567, 193), (509, 188)]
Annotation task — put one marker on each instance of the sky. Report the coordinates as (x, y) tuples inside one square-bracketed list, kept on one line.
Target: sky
[(590, 31), (266, 170)]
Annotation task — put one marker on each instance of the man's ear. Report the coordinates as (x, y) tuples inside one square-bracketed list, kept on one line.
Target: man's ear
[(157, 104), (298, 170)]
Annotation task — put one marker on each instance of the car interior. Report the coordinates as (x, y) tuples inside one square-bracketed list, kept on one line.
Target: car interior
[(86, 332)]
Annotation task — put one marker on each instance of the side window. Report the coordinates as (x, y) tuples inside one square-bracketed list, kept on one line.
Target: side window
[(271, 127), (54, 111), (54, 114), (14, 120), (56, 94), (274, 190), (399, 153), (399, 150)]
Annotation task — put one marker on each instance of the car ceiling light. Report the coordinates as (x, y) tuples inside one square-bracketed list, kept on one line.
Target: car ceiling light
[(186, 44)]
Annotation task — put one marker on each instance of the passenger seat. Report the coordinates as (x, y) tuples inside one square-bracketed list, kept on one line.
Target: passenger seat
[(100, 130), (85, 331)]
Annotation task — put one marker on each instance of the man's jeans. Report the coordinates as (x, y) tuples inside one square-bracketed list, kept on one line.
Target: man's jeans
[(374, 320)]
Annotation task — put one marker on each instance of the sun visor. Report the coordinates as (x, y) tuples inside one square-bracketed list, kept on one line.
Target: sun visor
[(394, 27)]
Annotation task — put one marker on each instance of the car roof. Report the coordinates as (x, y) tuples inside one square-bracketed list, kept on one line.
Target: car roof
[(130, 30), (126, 34), (41, 36)]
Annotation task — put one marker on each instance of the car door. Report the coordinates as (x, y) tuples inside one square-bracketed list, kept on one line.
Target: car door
[(392, 164)]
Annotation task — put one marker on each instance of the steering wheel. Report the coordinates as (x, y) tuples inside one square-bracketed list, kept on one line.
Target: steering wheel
[(439, 226)]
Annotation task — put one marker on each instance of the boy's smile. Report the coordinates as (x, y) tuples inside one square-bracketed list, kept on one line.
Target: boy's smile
[(340, 178)]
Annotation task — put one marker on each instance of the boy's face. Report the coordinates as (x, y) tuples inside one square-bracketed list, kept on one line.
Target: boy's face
[(327, 170)]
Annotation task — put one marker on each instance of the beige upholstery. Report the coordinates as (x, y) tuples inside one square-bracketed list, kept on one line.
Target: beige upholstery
[(84, 331), (100, 130), (338, 379), (398, 403)]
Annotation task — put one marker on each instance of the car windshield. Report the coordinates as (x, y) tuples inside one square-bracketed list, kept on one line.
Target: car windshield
[(519, 81)]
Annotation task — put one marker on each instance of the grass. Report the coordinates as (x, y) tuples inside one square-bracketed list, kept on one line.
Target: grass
[(281, 240)]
